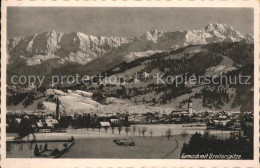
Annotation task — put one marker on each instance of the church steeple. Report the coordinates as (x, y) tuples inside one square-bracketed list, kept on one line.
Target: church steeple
[(57, 109), (190, 108)]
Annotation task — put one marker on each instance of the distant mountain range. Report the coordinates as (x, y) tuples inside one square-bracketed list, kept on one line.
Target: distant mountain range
[(55, 52), (213, 50)]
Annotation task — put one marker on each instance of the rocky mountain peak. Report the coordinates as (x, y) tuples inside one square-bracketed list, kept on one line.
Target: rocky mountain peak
[(223, 30), (79, 48)]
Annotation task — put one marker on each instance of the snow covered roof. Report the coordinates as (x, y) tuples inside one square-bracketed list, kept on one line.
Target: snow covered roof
[(114, 120), (39, 124), (221, 121), (103, 124), (18, 120), (51, 121)]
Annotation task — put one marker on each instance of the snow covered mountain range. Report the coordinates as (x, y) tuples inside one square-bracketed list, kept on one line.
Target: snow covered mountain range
[(212, 50), (74, 47), (54, 49)]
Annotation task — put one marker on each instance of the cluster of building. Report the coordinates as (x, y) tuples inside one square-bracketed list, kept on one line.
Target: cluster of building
[(40, 122)]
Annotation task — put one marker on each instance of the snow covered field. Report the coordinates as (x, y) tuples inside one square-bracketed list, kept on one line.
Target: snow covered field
[(81, 102)]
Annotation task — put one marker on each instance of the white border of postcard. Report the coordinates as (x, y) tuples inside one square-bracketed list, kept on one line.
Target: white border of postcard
[(64, 163)]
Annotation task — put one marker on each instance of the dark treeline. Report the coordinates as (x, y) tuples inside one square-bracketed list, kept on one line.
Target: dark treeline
[(214, 97), (26, 98), (240, 52), (24, 127), (128, 65), (207, 144), (15, 97), (196, 64)]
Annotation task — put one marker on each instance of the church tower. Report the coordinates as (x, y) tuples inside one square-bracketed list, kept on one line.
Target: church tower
[(57, 109), (190, 107)]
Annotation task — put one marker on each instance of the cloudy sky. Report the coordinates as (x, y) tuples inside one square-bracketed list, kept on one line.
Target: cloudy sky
[(123, 22)]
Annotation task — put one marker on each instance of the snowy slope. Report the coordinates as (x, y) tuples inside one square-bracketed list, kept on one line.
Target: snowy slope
[(73, 101)]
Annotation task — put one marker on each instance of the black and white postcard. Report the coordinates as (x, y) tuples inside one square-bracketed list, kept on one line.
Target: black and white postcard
[(130, 84)]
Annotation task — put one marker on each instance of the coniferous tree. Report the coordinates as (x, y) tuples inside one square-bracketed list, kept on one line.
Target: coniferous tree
[(36, 151)]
